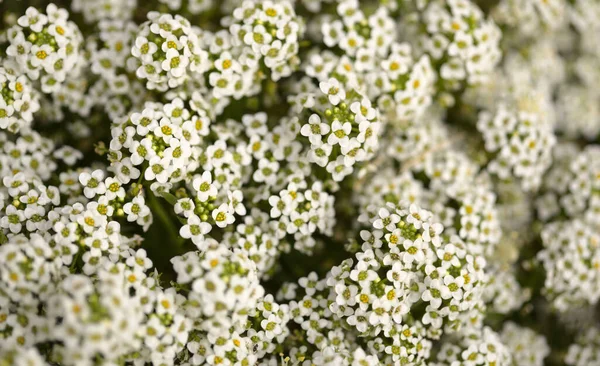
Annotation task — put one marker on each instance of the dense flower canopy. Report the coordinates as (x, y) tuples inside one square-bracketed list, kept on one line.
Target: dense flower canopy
[(300, 182)]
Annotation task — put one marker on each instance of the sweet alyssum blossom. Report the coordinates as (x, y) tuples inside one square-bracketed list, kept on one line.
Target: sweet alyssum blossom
[(194, 182)]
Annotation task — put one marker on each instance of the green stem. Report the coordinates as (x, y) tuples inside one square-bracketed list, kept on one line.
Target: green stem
[(162, 216)]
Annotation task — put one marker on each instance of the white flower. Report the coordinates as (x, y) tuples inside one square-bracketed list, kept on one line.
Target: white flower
[(272, 326), (334, 90), (338, 169), (339, 133), (158, 168), (195, 229), (174, 63), (113, 189), (13, 219), (93, 183), (319, 154), (235, 200), (223, 215), (315, 129), (414, 251), (266, 172), (363, 110), (204, 187), (417, 216), (136, 208)]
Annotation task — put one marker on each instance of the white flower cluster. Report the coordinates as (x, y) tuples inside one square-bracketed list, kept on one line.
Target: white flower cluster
[(45, 46), (102, 318), (571, 258), (301, 210), (579, 106), (159, 138), (19, 101), (482, 347), (526, 346), (374, 62), (528, 18), (411, 141), (98, 10), (111, 60), (443, 184), (521, 142), (168, 50), (463, 200), (300, 183), (342, 128), (462, 43), (573, 187), (271, 30), (114, 310), (419, 268), (224, 287), (503, 293), (233, 320), (586, 349)]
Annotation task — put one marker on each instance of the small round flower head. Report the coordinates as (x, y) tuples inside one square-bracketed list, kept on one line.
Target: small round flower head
[(83, 305), (406, 262), (455, 182), (29, 153), (446, 183), (570, 258), (462, 43), (234, 71), (373, 61), (578, 112), (388, 186), (519, 139), (476, 347), (46, 46), (111, 60), (18, 101), (261, 239), (585, 350), (120, 312), (27, 269), (168, 50), (342, 128), (272, 30), (159, 136), (530, 18), (322, 330), (411, 141), (95, 11), (526, 346), (570, 188), (503, 293), (523, 70), (404, 86), (301, 212), (582, 14), (224, 286), (21, 356), (195, 6)]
